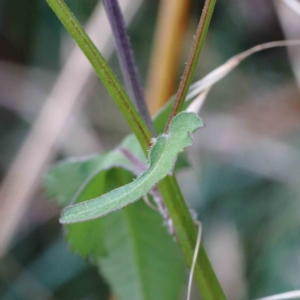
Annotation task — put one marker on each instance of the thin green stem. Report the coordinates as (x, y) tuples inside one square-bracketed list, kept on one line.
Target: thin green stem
[(186, 233), (103, 71), (183, 223), (193, 59), (205, 277)]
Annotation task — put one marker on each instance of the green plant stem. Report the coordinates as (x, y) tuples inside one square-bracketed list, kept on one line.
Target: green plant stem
[(205, 277), (193, 59), (103, 70), (183, 223), (185, 230)]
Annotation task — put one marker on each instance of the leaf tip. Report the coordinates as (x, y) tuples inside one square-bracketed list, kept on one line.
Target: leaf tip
[(65, 216)]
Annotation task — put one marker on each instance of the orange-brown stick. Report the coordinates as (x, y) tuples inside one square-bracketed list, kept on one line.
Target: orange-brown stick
[(166, 51)]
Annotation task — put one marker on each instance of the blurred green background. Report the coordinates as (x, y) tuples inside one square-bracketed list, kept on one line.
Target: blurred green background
[(244, 183)]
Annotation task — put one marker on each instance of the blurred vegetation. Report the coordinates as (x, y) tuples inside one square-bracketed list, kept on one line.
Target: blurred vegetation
[(246, 163)]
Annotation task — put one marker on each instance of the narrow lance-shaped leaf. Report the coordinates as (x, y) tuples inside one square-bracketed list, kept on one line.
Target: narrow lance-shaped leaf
[(162, 157)]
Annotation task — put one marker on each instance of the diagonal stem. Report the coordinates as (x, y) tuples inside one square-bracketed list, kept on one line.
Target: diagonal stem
[(193, 59), (205, 277), (127, 61), (103, 70)]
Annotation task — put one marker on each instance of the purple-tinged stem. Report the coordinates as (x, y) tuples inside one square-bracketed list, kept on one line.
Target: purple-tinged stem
[(193, 59), (127, 61)]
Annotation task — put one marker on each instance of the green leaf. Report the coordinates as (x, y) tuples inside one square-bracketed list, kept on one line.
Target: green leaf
[(143, 261), (64, 179), (87, 238), (77, 180), (162, 158), (134, 252)]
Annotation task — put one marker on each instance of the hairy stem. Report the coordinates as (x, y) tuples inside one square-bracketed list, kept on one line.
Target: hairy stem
[(103, 70), (193, 59), (186, 233), (127, 61), (184, 226)]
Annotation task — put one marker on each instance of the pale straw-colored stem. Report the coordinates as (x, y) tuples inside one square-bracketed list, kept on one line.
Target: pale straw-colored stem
[(199, 224), (283, 296)]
